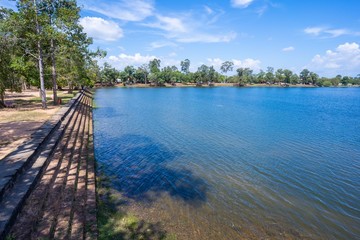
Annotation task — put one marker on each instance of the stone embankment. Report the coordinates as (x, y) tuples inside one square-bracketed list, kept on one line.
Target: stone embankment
[(47, 186)]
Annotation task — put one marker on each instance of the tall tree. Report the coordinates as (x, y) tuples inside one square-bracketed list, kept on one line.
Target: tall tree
[(202, 74), (62, 17), (294, 79), (109, 74), (279, 74), (269, 76), (185, 66), (287, 75), (129, 73), (226, 67), (154, 65), (244, 75), (314, 78), (305, 76), (145, 71), (31, 23), (261, 76)]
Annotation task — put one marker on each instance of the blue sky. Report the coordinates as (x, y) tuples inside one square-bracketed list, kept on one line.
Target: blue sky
[(321, 35)]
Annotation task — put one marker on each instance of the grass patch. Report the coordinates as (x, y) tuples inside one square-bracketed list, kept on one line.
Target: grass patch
[(38, 99), (10, 237), (94, 106), (113, 223), (19, 116)]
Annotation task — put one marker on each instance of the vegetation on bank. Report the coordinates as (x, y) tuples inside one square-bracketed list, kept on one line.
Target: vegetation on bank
[(115, 223), (152, 73)]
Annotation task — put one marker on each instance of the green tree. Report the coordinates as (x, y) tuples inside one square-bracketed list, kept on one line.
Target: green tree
[(269, 76), (326, 83), (154, 65), (129, 73), (260, 77), (244, 75), (6, 48), (29, 27), (212, 74), (202, 74), (63, 17), (185, 66), (226, 67), (305, 76), (279, 75), (314, 78), (144, 69), (294, 79), (109, 74), (287, 75)]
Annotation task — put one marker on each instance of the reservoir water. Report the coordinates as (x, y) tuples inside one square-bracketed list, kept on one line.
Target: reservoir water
[(235, 163)]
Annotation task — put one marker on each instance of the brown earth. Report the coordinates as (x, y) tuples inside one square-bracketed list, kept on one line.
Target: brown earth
[(23, 117)]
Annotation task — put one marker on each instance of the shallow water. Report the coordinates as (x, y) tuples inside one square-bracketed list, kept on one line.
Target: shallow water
[(229, 163)]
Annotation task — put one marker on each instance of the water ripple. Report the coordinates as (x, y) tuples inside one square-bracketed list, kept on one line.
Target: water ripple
[(282, 163)]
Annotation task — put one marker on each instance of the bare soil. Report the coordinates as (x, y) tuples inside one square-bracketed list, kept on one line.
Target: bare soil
[(23, 117)]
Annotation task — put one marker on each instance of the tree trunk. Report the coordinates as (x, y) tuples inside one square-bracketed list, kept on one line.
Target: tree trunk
[(53, 71), (41, 72), (41, 62), (70, 90), (2, 100)]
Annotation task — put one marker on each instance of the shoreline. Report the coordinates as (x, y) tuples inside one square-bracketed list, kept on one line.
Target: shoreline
[(180, 85)]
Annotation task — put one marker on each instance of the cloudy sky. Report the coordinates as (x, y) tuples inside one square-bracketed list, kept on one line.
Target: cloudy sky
[(321, 35)]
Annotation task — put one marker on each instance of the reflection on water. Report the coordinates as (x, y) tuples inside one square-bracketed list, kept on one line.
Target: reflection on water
[(141, 164), (229, 163)]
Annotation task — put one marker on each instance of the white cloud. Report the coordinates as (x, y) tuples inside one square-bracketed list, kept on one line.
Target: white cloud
[(101, 29), (208, 10), (161, 44), (288, 49), (216, 62), (206, 38), (344, 59), (241, 3), (137, 60), (260, 11), (134, 10), (324, 32), (313, 30), (253, 64), (124, 60), (169, 24), (185, 28)]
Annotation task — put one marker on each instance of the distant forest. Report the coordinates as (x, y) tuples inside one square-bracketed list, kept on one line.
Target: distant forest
[(43, 45), (153, 73)]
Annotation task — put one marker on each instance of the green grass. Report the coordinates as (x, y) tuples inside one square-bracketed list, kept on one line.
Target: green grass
[(94, 105), (65, 98), (114, 223), (38, 99), (10, 237)]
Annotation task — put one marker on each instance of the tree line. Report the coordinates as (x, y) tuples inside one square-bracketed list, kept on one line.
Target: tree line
[(42, 44), (153, 73)]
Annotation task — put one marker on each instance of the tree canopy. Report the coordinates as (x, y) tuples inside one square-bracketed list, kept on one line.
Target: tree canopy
[(43, 45)]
